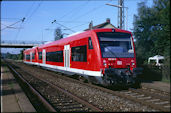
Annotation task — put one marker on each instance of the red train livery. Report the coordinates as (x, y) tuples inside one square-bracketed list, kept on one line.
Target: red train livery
[(105, 56)]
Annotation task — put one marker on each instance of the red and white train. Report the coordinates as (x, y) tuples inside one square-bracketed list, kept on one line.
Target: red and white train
[(105, 56)]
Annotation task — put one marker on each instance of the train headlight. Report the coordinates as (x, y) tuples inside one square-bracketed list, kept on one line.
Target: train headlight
[(133, 63), (104, 63), (113, 30)]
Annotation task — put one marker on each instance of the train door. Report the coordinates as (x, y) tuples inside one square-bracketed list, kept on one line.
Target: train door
[(30, 56), (44, 56), (67, 56)]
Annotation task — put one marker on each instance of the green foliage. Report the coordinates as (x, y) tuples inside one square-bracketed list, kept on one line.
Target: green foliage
[(152, 29), (15, 56), (152, 32)]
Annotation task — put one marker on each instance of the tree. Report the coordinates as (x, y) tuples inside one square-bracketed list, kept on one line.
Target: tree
[(142, 30), (152, 29), (58, 34), (21, 55), (152, 33)]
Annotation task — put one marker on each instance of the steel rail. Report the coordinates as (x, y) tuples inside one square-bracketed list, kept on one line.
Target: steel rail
[(79, 100), (164, 98), (134, 99), (44, 102), (73, 96), (121, 94)]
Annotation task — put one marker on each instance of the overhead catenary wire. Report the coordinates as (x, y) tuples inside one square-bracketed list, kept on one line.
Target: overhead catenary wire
[(29, 16), (29, 9), (10, 27), (7, 26), (3, 24), (90, 11), (34, 10), (22, 20), (72, 21), (70, 12), (63, 26), (79, 25), (82, 6), (10, 18), (18, 32)]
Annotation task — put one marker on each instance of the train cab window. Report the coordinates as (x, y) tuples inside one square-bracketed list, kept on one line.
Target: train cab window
[(90, 44), (56, 56), (40, 55), (33, 55), (79, 53), (116, 44)]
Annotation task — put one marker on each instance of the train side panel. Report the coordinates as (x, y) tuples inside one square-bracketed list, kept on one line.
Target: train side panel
[(82, 54)]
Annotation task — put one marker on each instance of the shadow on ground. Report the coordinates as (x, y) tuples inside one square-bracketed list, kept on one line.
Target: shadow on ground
[(150, 74)]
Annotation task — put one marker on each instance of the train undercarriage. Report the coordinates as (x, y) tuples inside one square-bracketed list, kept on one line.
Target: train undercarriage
[(118, 77)]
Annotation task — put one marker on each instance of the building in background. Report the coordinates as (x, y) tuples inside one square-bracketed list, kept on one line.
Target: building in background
[(106, 24)]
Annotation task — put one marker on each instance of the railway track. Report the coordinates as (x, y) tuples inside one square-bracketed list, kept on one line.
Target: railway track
[(154, 101), (54, 97)]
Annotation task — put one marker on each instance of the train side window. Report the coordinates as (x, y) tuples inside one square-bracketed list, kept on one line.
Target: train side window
[(40, 55), (56, 56), (79, 53), (59, 56), (27, 57), (33, 55), (90, 44)]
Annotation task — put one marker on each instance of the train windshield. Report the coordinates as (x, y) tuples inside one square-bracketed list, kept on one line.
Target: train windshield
[(115, 45)]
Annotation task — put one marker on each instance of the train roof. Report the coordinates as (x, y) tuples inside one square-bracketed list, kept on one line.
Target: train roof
[(77, 36), (30, 49)]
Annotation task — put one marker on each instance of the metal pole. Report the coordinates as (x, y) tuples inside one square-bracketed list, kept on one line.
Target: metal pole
[(121, 22), (126, 18), (118, 25), (120, 14)]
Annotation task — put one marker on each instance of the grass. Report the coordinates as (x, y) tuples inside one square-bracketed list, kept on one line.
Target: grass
[(165, 80)]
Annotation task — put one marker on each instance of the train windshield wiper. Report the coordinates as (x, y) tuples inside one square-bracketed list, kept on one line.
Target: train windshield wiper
[(110, 51)]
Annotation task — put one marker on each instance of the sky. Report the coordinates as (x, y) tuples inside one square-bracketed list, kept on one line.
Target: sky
[(75, 15)]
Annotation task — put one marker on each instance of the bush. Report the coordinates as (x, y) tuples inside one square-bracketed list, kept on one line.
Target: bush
[(166, 69)]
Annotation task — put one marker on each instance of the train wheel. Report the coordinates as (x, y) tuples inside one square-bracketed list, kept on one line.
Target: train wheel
[(83, 79)]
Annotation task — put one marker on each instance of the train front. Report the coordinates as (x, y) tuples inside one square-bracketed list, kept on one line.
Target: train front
[(118, 57)]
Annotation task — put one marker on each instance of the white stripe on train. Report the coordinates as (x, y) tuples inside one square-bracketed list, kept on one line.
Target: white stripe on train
[(80, 71)]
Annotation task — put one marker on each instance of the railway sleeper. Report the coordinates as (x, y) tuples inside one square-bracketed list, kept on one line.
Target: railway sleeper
[(132, 94), (165, 102), (167, 106), (76, 108), (144, 98), (63, 101), (68, 104), (72, 106), (137, 96), (153, 100)]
